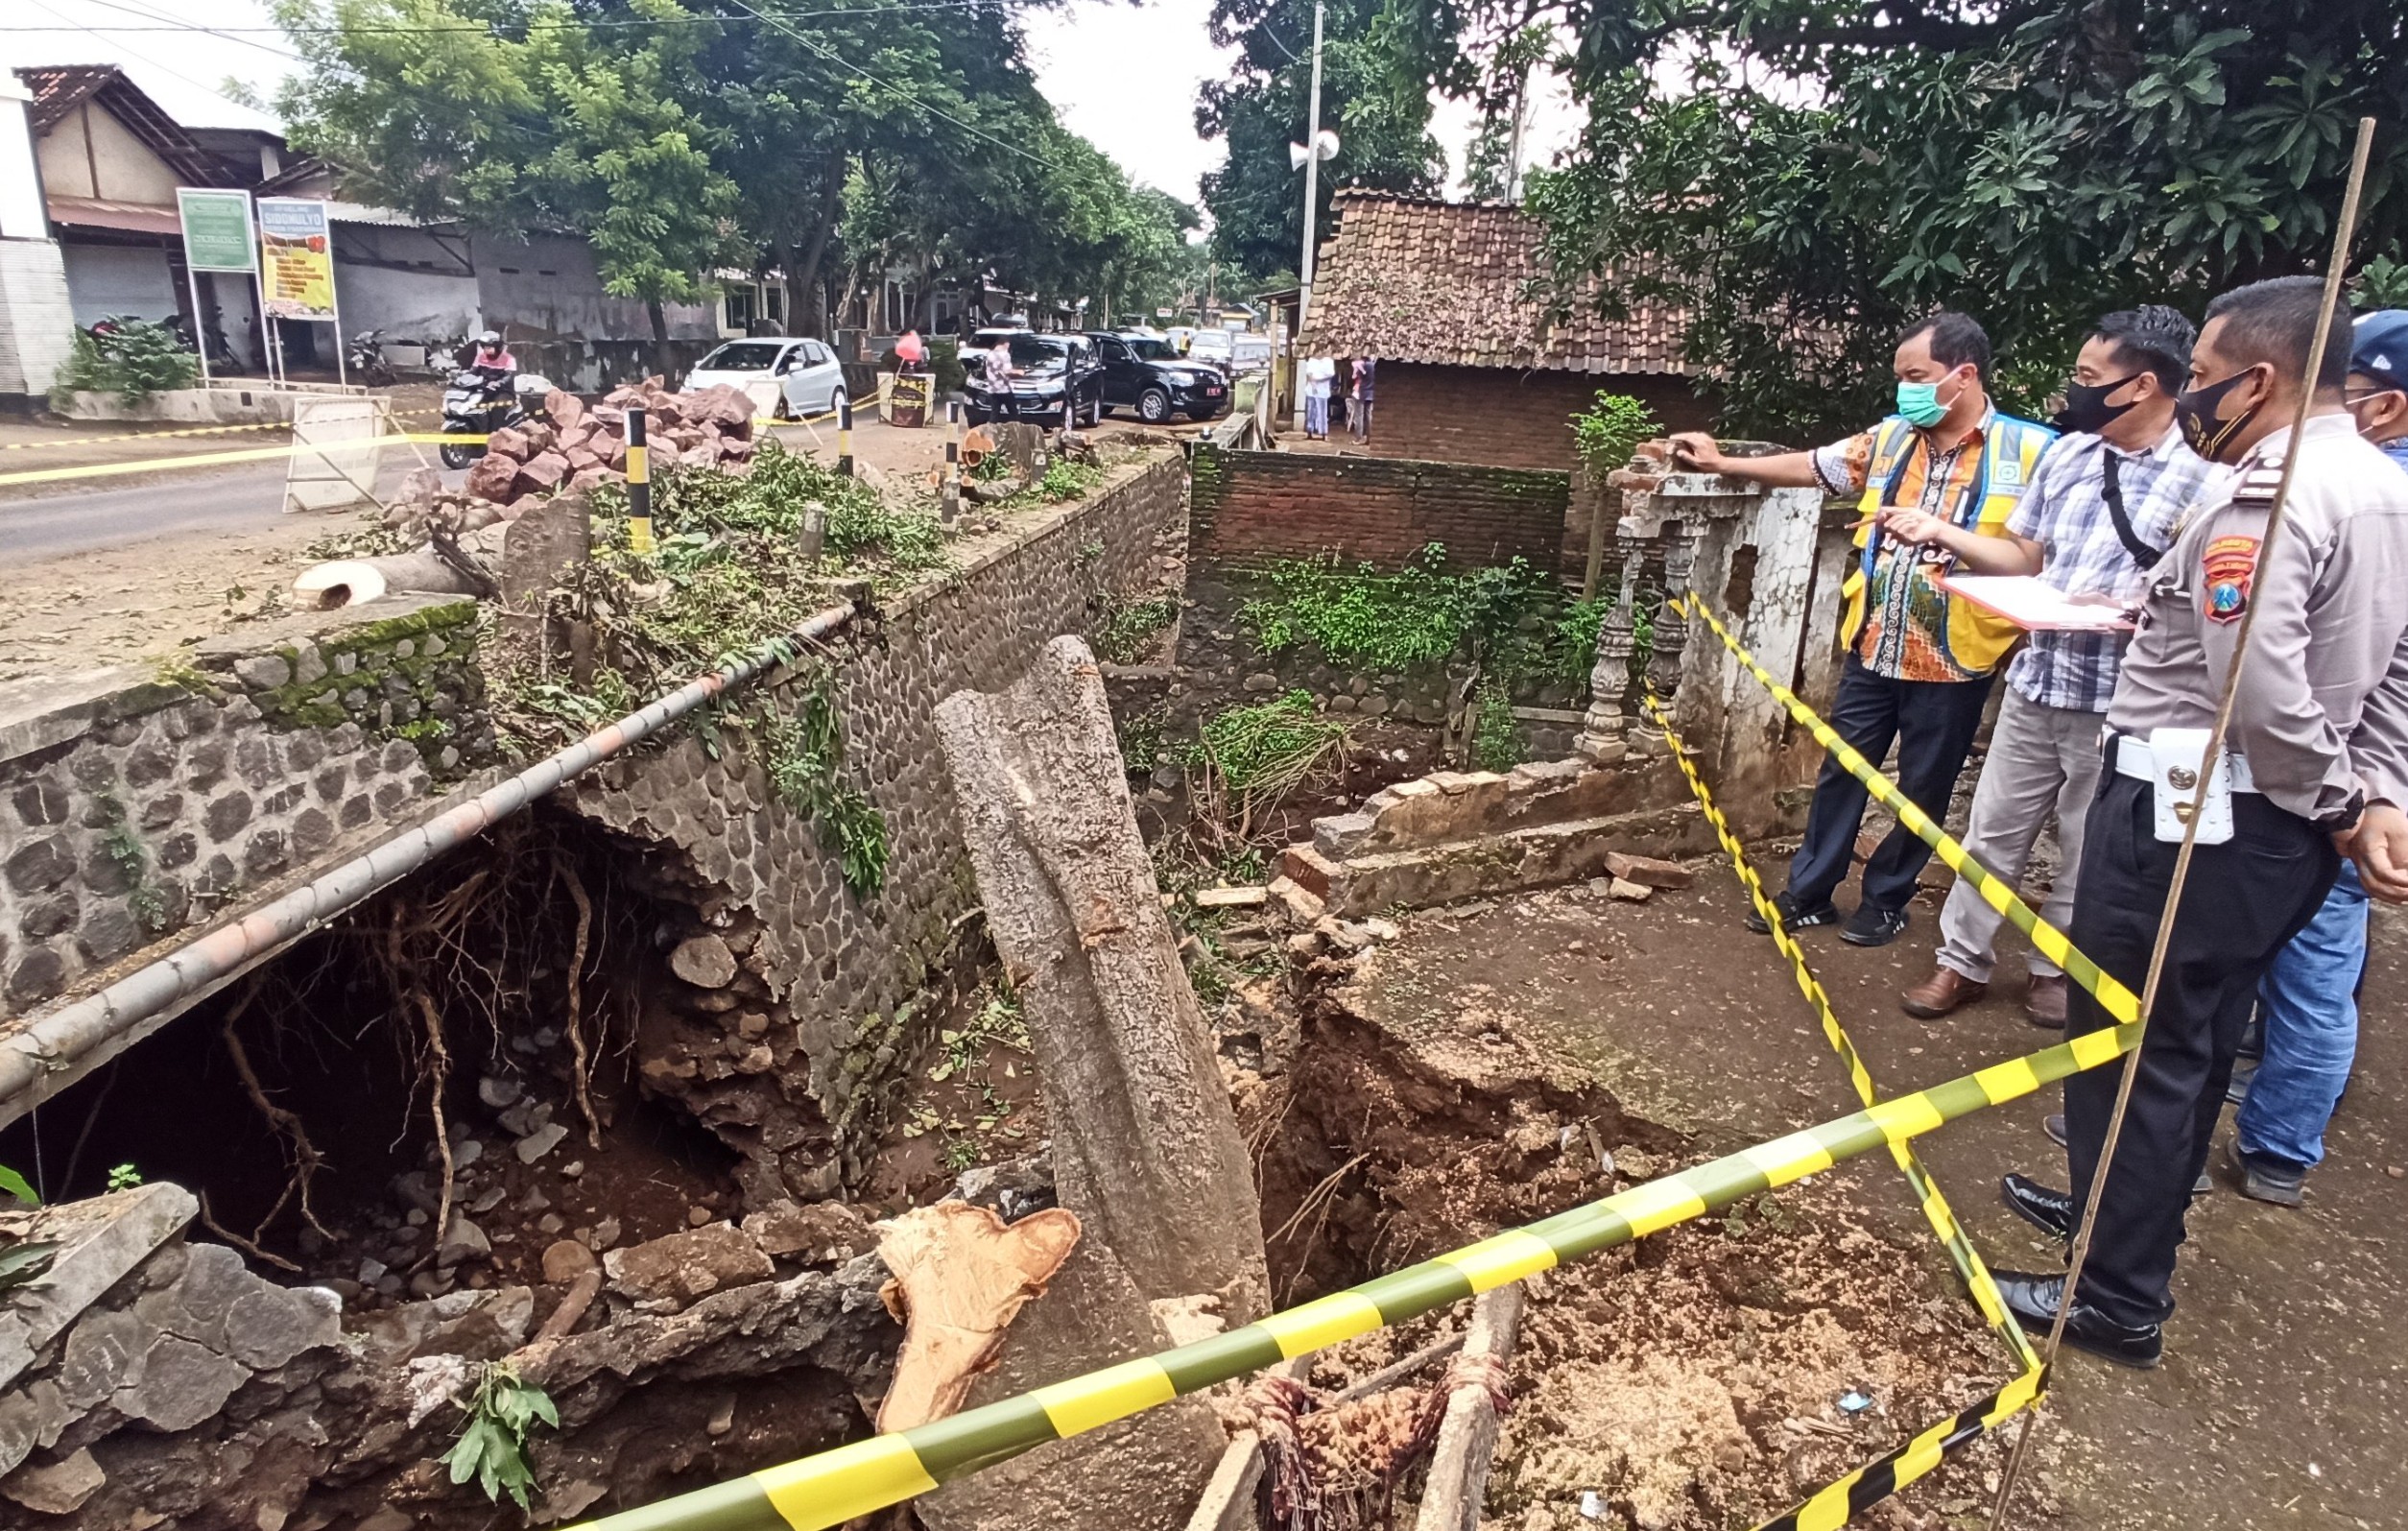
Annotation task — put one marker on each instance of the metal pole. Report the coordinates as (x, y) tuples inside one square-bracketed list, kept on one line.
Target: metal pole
[(32, 1060), (1312, 201), (844, 437), (949, 508), (200, 322), (639, 487)]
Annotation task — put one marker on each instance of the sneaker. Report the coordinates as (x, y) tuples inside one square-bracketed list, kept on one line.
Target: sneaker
[(1873, 927), (1793, 918), (2264, 1179)]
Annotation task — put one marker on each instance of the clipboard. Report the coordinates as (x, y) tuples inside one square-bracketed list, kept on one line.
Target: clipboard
[(2034, 606)]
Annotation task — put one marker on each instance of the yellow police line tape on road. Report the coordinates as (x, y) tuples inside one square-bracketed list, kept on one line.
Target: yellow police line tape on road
[(826, 1489), (2120, 1003), (1834, 1505), (248, 454), (161, 436)]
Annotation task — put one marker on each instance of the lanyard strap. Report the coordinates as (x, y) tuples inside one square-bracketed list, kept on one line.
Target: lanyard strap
[(2112, 489)]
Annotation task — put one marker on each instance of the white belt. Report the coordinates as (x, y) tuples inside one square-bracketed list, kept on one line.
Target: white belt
[(2132, 757)]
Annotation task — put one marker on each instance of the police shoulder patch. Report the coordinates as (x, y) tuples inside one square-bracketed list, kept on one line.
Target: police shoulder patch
[(2225, 565)]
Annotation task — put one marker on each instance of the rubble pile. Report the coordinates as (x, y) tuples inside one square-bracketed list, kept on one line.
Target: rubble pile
[(581, 445)]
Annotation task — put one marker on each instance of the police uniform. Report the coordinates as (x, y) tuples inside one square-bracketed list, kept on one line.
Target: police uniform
[(2319, 728)]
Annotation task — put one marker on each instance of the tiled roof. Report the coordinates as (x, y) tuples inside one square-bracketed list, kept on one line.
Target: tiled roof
[(1409, 279), (60, 88)]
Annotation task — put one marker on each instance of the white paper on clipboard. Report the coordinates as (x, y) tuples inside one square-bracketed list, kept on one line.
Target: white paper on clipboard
[(2033, 605)]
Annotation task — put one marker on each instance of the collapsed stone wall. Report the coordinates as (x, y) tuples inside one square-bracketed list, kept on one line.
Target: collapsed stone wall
[(152, 1380), (793, 999), (137, 804)]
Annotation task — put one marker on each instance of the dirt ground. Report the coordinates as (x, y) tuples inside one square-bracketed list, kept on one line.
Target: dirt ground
[(2283, 1394)]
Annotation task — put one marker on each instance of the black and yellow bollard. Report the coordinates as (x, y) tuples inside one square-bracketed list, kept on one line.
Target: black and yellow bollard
[(844, 437), (949, 507), (639, 488)]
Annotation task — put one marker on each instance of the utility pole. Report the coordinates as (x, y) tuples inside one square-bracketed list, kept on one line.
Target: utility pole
[(1312, 201)]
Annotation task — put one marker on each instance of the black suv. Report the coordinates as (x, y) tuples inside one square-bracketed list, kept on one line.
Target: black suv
[(1044, 368), (1151, 377)]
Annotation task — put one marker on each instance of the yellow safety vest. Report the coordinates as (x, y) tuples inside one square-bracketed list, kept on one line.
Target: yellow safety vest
[(2011, 450)]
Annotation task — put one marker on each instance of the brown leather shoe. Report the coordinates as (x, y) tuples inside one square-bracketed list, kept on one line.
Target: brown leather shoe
[(1945, 991), (2046, 1004)]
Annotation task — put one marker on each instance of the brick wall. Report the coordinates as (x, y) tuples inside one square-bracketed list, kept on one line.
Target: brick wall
[(1251, 507), (1510, 418)]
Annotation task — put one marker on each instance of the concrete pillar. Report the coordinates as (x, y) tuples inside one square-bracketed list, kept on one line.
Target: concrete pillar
[(36, 318)]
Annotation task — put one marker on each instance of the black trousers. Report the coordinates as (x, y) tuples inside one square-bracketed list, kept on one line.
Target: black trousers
[(1933, 723), (2245, 900)]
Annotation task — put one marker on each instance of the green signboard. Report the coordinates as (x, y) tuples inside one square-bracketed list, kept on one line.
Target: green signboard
[(216, 229)]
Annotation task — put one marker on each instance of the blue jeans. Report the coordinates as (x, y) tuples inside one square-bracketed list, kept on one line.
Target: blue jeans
[(2309, 1002)]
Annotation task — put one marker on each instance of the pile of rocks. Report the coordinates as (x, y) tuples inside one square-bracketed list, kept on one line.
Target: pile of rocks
[(578, 445)]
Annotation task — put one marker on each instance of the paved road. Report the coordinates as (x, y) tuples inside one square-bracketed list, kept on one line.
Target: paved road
[(87, 519)]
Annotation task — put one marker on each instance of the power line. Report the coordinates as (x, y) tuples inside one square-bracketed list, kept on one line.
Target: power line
[(145, 58), (638, 23), (841, 62), (191, 25)]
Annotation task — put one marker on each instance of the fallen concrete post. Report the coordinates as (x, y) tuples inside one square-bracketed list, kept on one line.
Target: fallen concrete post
[(356, 582), (1146, 1149)]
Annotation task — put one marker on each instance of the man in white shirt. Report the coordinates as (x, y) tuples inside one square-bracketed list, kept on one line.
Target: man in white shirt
[(1319, 370)]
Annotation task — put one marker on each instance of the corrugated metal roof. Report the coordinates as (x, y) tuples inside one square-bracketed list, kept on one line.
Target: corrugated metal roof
[(1411, 280), (128, 217)]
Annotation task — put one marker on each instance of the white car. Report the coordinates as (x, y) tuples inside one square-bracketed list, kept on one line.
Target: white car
[(795, 377), (1233, 351)]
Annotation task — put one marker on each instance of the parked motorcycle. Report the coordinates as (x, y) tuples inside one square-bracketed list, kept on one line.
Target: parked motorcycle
[(479, 401), (366, 360)]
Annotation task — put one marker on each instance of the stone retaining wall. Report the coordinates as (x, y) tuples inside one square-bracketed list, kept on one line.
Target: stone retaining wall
[(792, 997), (135, 803)]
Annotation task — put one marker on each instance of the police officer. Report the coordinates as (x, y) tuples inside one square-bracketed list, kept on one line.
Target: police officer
[(2318, 767)]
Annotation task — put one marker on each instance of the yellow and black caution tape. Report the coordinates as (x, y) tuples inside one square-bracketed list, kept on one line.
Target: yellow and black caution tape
[(2120, 1003), (247, 454), (162, 436), (1834, 1504), (833, 1487)]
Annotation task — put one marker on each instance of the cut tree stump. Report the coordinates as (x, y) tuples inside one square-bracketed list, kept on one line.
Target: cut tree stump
[(961, 1275), (1146, 1149)]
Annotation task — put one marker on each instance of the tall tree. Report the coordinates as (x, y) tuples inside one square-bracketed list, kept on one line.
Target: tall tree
[(1369, 94), (1823, 171), (516, 119)]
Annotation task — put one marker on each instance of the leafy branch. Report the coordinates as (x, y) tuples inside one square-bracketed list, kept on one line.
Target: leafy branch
[(492, 1450)]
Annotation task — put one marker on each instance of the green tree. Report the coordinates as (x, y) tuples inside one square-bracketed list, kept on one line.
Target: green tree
[(1810, 174), (532, 125), (1369, 94)]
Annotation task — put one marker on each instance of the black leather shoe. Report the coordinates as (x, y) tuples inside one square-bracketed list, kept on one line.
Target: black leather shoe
[(2050, 1211), (2054, 1124), (1869, 927), (1793, 918), (2034, 1301)]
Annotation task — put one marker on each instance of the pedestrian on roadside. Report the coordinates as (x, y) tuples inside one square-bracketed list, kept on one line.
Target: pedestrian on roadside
[(1319, 372), (2100, 512), (1342, 385), (2317, 767), (1920, 662), (2308, 1003), (1361, 412)]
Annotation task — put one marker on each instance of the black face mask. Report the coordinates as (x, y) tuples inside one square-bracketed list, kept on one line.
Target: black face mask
[(2195, 411), (2086, 409)]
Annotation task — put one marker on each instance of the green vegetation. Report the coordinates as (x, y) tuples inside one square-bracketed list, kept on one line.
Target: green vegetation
[(1253, 757), (492, 1449), (1609, 430), (133, 360), (1511, 619), (124, 1178), (14, 1184), (1129, 630), (805, 757), (1494, 744)]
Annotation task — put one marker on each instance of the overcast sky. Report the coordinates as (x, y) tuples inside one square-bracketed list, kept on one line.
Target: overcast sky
[(1124, 76)]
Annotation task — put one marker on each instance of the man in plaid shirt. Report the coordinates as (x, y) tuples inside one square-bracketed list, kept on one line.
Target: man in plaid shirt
[(2105, 503)]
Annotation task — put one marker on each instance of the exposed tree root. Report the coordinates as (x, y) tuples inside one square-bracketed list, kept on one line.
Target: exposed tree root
[(210, 1222), (582, 1061), (285, 1124)]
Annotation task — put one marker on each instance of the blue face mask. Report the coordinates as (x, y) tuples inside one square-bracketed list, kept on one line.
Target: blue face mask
[(1920, 406)]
